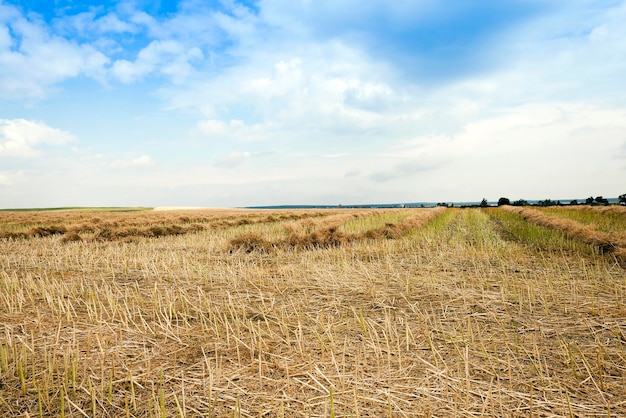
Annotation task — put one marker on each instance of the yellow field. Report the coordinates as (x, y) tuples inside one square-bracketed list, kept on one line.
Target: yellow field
[(312, 313)]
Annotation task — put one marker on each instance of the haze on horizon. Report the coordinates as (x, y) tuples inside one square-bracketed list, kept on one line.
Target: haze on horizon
[(239, 103)]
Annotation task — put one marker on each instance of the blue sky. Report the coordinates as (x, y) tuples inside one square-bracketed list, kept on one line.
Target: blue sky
[(234, 103)]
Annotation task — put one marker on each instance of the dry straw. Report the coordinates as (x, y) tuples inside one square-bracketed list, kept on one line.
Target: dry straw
[(603, 242), (437, 314)]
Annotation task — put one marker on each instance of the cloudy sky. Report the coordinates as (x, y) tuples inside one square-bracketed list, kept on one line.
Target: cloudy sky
[(263, 102)]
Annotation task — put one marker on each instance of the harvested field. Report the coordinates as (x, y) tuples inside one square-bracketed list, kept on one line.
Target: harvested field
[(610, 219), (613, 242), (313, 313)]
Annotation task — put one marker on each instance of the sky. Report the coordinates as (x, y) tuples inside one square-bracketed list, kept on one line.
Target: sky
[(226, 103)]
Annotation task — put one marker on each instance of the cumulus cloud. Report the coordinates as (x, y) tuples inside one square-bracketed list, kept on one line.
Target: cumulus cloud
[(139, 162), (376, 99), (32, 58), (23, 138), (91, 25), (373, 97), (169, 58), (425, 41), (328, 93), (557, 147)]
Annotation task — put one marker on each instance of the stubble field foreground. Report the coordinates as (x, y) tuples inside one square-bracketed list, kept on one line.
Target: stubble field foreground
[(345, 313)]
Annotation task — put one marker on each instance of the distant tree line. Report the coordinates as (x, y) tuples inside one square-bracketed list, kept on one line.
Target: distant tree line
[(592, 201)]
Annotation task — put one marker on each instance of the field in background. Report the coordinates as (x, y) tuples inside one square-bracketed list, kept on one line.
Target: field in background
[(83, 209), (335, 313)]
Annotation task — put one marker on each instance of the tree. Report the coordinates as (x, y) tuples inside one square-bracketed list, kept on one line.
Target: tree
[(573, 202), (520, 202), (622, 199), (484, 203), (546, 202), (589, 200), (503, 201), (602, 201)]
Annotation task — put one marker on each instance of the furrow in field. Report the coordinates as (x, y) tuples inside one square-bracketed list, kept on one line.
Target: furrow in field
[(602, 242), (533, 320), (399, 229), (111, 226), (330, 234), (610, 219)]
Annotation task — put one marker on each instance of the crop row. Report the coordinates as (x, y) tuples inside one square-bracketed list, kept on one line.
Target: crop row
[(612, 243), (330, 234), (611, 219), (110, 226)]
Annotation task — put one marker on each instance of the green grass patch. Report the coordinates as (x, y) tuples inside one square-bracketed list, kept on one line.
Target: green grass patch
[(602, 220), (514, 227)]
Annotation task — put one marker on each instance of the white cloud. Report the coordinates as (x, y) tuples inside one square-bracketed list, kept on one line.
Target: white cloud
[(324, 94), (112, 23), (302, 84), (21, 138), (139, 162), (561, 150), (90, 25), (370, 96), (32, 58), (169, 58)]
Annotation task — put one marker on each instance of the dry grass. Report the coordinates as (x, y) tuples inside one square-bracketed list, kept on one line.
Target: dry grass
[(111, 226), (611, 219), (450, 317), (331, 232), (603, 242)]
